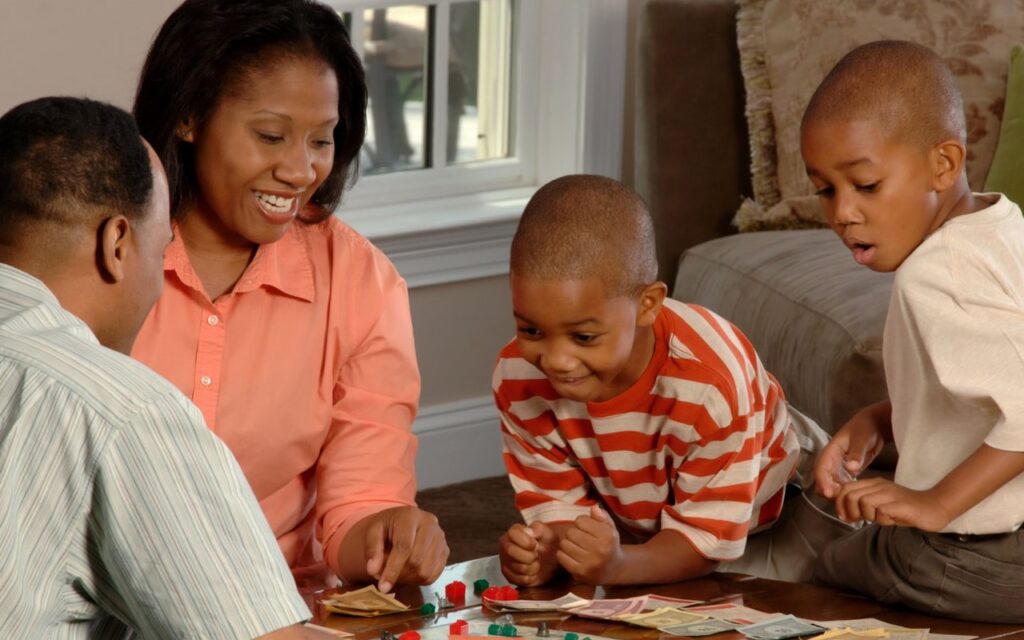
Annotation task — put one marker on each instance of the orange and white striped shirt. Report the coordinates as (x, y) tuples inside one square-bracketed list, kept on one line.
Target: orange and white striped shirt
[(700, 444)]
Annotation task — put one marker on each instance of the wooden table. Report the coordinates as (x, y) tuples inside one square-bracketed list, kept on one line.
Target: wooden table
[(803, 600)]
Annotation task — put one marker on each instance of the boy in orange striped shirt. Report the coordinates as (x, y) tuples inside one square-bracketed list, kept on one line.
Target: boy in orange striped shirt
[(625, 413)]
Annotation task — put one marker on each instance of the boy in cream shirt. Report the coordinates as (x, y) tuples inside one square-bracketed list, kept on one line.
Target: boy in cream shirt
[(883, 139)]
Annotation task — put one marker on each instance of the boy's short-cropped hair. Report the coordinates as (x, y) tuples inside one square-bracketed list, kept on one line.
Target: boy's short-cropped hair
[(586, 226), (905, 87)]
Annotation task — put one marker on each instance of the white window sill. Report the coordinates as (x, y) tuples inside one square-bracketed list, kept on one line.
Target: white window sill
[(447, 239)]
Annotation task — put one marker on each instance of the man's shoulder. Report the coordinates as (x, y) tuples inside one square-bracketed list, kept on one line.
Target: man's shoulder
[(87, 375)]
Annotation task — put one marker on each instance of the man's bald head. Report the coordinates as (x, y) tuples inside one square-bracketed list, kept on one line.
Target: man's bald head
[(905, 87), (65, 165), (583, 226)]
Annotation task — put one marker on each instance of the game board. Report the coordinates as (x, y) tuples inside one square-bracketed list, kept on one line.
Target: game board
[(479, 629)]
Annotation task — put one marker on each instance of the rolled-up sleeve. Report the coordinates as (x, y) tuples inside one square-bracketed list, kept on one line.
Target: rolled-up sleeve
[(367, 463)]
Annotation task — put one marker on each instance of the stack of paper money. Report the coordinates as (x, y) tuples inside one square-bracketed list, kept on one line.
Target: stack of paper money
[(653, 601), (659, 618), (863, 625), (367, 602), (568, 602), (893, 633), (778, 628)]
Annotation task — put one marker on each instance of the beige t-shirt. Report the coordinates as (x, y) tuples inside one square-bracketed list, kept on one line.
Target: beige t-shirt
[(954, 356)]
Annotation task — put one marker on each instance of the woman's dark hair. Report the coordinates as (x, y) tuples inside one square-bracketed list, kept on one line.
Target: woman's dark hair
[(207, 47)]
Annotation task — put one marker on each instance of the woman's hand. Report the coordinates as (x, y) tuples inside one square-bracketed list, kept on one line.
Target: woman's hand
[(404, 544)]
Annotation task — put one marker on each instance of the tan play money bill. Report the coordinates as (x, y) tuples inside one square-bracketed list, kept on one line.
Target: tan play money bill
[(664, 617), (708, 627), (847, 633), (367, 602), (733, 612), (894, 632), (889, 633)]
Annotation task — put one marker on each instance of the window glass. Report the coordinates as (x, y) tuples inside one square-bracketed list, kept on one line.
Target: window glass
[(395, 52), (479, 80)]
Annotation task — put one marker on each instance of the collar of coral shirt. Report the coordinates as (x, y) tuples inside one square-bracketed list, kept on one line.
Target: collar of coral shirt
[(284, 266)]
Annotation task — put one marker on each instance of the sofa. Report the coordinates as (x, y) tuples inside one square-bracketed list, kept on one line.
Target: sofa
[(814, 315)]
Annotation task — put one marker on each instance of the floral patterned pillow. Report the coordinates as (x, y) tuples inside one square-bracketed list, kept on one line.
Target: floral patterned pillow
[(787, 47)]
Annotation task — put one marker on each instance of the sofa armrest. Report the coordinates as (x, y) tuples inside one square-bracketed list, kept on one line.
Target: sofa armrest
[(692, 154)]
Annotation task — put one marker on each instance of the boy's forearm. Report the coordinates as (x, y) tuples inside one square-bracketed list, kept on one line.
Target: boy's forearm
[(667, 557), (882, 415), (976, 478)]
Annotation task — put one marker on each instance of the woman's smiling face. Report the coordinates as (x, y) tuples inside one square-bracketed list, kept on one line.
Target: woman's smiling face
[(265, 149)]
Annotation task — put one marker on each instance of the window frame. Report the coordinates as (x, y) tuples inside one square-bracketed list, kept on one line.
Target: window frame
[(455, 223)]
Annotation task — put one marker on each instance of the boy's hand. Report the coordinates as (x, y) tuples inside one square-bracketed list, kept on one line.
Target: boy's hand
[(882, 501), (527, 554), (590, 549), (852, 449)]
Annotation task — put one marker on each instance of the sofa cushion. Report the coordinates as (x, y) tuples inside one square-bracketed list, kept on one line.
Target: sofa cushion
[(787, 47), (814, 315), (1008, 163)]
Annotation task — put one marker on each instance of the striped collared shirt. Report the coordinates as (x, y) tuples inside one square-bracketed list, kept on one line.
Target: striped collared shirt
[(700, 444), (118, 507)]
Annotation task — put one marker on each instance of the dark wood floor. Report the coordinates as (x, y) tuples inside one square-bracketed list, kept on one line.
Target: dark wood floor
[(472, 514)]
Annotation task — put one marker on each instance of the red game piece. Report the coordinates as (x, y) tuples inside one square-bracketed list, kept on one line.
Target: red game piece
[(455, 591), (459, 627), (508, 592), (491, 593), (409, 635)]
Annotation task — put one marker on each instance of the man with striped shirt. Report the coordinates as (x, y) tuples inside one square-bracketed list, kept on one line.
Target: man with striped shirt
[(624, 413), (119, 509)]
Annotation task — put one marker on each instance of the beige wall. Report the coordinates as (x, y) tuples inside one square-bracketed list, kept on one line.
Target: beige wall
[(88, 48), (460, 327)]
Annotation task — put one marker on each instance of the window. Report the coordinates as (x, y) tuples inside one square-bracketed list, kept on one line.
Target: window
[(469, 91), (473, 105), (443, 110)]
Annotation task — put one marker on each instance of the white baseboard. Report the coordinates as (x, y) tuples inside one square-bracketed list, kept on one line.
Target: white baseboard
[(459, 441)]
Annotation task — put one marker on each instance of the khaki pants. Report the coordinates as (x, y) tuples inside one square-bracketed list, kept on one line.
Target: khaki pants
[(979, 578), (789, 549)]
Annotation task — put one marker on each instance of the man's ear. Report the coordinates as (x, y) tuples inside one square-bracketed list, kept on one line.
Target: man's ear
[(114, 238), (651, 298), (948, 160)]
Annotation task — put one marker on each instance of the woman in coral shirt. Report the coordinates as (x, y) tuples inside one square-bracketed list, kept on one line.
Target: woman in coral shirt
[(290, 331)]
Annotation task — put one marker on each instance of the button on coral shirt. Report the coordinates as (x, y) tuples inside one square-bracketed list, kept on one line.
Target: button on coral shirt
[(307, 371)]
